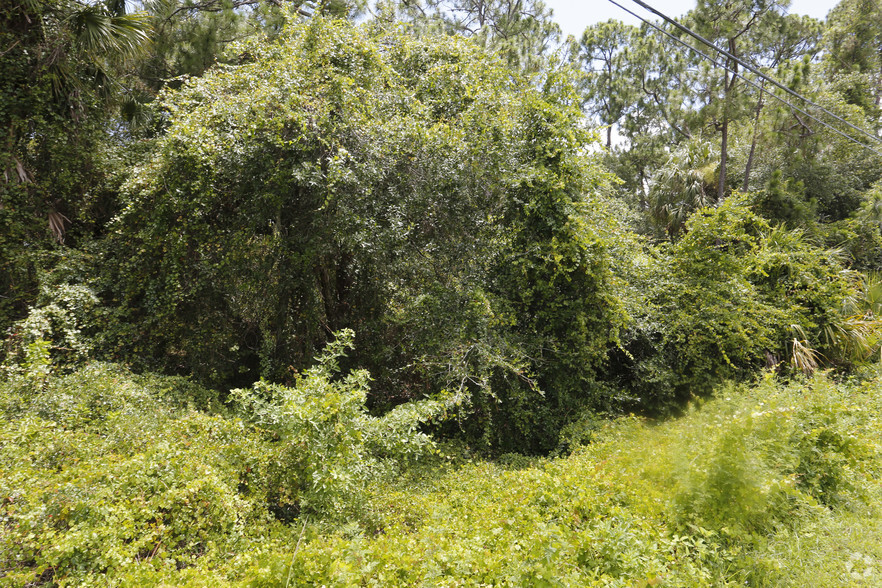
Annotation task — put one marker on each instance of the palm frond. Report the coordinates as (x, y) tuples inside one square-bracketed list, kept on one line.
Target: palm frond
[(681, 187), (99, 32), (803, 357), (56, 225), (853, 338)]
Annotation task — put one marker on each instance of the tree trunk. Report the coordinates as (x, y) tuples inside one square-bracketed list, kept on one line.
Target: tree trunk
[(759, 108), (609, 88), (724, 130), (728, 87)]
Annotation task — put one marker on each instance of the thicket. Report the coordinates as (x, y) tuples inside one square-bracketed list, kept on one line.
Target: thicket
[(107, 472), (111, 478), (736, 294), (412, 190), (452, 214), (331, 268)]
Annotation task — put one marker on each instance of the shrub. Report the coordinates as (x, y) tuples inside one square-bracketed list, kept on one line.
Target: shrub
[(101, 473), (326, 447), (104, 483), (766, 455), (735, 295)]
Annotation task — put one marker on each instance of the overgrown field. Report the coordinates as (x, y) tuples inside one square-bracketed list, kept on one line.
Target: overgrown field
[(108, 478)]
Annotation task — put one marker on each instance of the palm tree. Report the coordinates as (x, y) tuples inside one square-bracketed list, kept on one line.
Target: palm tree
[(58, 61), (683, 185)]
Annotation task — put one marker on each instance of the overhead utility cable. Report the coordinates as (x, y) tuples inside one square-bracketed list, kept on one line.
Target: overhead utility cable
[(751, 82), (750, 68)]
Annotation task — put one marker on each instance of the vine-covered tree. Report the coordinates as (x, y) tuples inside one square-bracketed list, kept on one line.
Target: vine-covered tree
[(414, 190), (59, 63)]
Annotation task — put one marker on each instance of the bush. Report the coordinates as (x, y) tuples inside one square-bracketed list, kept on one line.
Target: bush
[(735, 295), (102, 473), (65, 314), (766, 455), (106, 472), (104, 483), (326, 448)]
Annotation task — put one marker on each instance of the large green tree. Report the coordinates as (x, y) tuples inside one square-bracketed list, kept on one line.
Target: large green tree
[(607, 86), (731, 25), (853, 59), (522, 32), (414, 190)]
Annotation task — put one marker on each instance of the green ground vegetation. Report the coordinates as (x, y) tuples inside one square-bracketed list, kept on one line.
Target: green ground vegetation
[(111, 478)]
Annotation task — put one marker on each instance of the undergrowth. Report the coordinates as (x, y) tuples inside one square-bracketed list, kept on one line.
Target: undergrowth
[(114, 479)]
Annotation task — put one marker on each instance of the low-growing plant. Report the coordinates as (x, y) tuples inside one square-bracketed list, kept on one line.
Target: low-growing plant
[(54, 332), (101, 473), (326, 447), (107, 481), (768, 455)]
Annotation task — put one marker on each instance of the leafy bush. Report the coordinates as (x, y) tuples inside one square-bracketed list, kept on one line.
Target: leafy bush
[(105, 472), (735, 295), (764, 456), (326, 447), (101, 473), (66, 318)]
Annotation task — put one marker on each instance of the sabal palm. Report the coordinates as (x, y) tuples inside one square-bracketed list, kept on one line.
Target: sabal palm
[(682, 186), (858, 335), (72, 48), (86, 40), (105, 30)]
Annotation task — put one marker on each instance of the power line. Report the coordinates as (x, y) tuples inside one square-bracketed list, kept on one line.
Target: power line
[(751, 82), (750, 67)]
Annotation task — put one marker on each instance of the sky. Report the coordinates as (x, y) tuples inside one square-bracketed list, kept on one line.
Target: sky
[(574, 16)]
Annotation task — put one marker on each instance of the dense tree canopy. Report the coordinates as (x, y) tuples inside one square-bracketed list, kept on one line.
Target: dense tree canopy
[(220, 200), (412, 190)]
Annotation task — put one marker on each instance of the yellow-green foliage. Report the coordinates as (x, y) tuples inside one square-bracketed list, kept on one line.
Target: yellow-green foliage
[(105, 483), (105, 472), (694, 502), (101, 472), (327, 448), (736, 294)]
